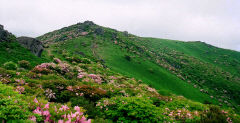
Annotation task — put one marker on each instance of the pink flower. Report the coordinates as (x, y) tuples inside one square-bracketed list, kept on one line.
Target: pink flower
[(70, 88), (46, 106), (46, 113), (37, 111), (32, 118), (57, 60), (35, 100), (60, 121), (20, 89), (64, 107), (77, 108)]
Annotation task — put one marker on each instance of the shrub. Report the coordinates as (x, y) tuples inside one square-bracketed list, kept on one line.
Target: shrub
[(12, 105), (24, 64), (56, 90), (131, 109), (90, 92), (92, 111), (213, 115), (10, 65)]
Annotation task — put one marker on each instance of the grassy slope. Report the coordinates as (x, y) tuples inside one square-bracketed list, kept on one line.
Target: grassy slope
[(12, 51), (206, 66), (216, 56), (160, 78)]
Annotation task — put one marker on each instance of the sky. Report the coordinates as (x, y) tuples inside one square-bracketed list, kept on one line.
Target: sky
[(215, 22)]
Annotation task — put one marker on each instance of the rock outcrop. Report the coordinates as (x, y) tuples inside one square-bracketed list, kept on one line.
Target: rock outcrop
[(5, 35), (34, 45)]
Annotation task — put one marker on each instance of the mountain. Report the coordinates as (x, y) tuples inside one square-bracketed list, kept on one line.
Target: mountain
[(196, 70), (88, 73)]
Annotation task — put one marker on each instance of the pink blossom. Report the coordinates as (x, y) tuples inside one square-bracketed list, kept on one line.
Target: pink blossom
[(35, 100), (46, 106), (37, 111), (32, 118), (20, 89), (46, 113), (57, 60), (70, 88), (64, 107), (60, 121), (77, 108)]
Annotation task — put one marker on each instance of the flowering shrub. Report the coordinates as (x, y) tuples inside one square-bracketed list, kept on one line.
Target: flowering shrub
[(44, 68), (216, 115), (131, 109), (24, 64), (51, 112), (96, 78), (91, 111), (55, 90), (10, 65), (56, 60), (89, 92), (20, 89)]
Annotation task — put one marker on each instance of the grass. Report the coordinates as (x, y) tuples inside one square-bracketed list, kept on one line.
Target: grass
[(13, 51), (181, 68)]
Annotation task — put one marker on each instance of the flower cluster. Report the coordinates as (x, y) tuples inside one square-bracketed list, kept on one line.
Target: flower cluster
[(44, 68), (50, 94), (20, 89), (20, 81), (181, 114), (81, 75), (58, 61), (61, 114), (96, 78)]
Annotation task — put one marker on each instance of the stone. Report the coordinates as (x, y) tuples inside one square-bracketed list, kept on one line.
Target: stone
[(89, 23), (99, 31), (34, 45), (5, 35), (125, 33), (114, 35)]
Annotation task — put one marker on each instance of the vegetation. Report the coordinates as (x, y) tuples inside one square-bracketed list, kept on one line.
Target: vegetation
[(90, 73)]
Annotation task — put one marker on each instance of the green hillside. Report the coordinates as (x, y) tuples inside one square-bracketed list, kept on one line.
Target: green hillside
[(88, 73), (196, 70)]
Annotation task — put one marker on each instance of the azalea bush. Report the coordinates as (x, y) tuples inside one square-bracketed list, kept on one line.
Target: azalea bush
[(56, 90), (53, 112)]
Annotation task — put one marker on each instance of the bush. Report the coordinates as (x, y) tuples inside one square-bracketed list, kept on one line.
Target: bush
[(12, 105), (92, 111), (214, 115), (24, 64), (90, 92), (130, 109), (56, 91), (10, 65)]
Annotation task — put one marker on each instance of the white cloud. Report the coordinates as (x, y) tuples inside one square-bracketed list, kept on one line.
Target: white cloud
[(215, 22)]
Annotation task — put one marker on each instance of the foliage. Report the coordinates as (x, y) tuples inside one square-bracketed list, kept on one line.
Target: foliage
[(10, 65), (12, 105), (24, 64), (130, 109)]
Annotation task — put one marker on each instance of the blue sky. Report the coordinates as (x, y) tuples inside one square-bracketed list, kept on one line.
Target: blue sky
[(216, 22)]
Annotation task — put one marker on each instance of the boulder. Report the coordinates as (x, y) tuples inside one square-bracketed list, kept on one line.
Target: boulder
[(89, 23), (99, 31), (34, 45), (5, 35)]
